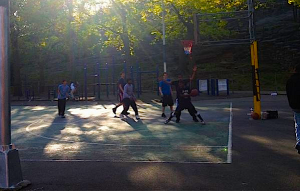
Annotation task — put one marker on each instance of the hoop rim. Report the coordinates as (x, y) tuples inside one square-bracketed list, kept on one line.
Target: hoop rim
[(187, 46), (187, 43)]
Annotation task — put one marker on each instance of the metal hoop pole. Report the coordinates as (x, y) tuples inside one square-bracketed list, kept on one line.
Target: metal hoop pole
[(164, 36), (5, 116)]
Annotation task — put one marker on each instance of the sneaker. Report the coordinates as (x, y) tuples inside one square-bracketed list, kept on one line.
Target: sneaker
[(63, 116), (163, 115), (167, 121), (127, 113), (122, 117), (172, 114), (195, 119), (137, 117), (177, 120), (203, 123), (114, 110), (298, 148)]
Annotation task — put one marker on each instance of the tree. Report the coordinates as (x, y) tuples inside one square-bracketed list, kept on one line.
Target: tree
[(296, 9), (53, 35)]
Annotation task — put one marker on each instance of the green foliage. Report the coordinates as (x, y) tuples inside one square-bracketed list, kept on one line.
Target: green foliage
[(51, 32), (295, 2)]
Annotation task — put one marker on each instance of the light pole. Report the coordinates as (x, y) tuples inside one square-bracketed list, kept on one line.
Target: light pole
[(164, 36), (10, 167)]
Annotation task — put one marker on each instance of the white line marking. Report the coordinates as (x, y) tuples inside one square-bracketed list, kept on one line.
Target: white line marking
[(229, 155), (120, 161)]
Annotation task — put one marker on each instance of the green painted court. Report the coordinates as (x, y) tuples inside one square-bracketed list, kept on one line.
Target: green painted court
[(91, 133)]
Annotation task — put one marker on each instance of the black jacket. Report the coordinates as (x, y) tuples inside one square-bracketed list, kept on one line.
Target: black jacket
[(293, 91)]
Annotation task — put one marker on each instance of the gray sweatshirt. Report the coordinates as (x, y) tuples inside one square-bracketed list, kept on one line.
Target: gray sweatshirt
[(128, 91)]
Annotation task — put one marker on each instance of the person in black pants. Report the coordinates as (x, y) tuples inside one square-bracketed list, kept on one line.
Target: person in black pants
[(63, 93), (184, 102), (121, 85), (129, 100), (165, 90)]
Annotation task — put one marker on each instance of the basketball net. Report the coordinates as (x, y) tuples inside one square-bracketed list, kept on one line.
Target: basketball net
[(187, 46)]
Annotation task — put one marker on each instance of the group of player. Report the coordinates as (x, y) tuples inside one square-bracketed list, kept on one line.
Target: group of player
[(183, 97)]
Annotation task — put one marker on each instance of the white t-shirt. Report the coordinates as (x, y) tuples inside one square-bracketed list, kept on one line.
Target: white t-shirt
[(72, 86)]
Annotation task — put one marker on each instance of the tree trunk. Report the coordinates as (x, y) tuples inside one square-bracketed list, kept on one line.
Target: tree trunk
[(295, 13), (41, 65), (185, 61), (124, 34), (298, 13), (189, 26), (71, 39), (125, 37), (16, 60)]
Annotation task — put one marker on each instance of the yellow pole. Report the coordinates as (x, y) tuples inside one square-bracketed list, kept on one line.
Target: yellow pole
[(255, 76)]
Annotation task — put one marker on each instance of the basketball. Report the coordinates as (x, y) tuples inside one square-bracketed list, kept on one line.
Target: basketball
[(255, 116), (194, 92)]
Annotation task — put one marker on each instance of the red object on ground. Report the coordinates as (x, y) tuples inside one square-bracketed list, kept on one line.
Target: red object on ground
[(194, 92), (255, 116)]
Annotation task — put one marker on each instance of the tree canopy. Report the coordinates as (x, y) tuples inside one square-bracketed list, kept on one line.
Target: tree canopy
[(56, 35), (295, 2)]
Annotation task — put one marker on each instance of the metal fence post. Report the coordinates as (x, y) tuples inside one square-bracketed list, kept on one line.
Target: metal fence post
[(98, 81), (113, 77), (107, 87), (85, 82)]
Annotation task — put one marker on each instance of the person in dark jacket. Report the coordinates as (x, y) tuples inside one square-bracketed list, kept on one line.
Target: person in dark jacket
[(293, 94), (184, 102)]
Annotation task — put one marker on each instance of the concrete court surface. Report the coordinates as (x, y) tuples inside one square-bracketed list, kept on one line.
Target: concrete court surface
[(263, 157), (90, 132)]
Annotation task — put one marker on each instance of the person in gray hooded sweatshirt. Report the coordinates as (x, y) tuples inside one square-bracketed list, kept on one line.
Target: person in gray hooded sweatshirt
[(129, 100)]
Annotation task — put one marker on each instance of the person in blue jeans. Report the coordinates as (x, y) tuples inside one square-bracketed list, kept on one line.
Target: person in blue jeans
[(62, 92), (165, 91), (293, 94)]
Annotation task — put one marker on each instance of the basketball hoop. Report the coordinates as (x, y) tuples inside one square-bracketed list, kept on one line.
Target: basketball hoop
[(187, 46)]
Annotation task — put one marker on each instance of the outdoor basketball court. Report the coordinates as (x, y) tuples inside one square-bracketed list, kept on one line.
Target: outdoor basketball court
[(91, 133)]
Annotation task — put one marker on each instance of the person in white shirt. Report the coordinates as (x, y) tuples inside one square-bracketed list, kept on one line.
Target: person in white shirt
[(73, 89)]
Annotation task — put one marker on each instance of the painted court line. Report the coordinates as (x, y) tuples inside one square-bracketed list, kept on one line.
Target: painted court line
[(120, 161), (229, 155)]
